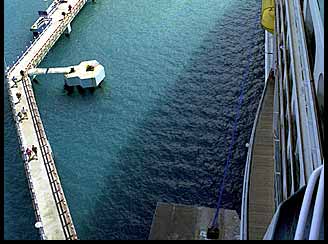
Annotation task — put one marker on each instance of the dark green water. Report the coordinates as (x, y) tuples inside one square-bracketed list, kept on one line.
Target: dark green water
[(159, 128)]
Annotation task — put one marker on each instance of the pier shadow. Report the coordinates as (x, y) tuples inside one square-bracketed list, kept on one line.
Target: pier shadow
[(179, 151)]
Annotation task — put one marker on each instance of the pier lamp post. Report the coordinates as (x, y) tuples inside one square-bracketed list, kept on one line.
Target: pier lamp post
[(5, 62), (38, 225), (6, 66)]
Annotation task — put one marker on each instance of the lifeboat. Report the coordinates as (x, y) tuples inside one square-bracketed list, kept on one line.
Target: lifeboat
[(267, 18)]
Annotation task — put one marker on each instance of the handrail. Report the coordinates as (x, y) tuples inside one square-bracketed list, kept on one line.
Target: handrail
[(318, 210), (304, 105), (244, 205), (282, 110), (313, 123), (67, 224), (282, 60), (305, 209)]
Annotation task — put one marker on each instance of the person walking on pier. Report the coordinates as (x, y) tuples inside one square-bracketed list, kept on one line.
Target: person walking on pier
[(35, 150), (14, 79), (20, 116), (22, 73), (29, 154), (19, 97), (24, 112)]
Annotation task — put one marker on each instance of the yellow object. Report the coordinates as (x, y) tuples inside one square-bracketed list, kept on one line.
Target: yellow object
[(267, 18)]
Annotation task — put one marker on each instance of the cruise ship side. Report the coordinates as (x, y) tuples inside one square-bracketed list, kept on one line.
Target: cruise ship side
[(283, 192)]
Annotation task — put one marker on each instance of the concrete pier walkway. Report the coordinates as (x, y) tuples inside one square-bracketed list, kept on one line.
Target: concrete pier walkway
[(53, 218)]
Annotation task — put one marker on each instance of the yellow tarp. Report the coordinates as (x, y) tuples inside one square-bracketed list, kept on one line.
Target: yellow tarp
[(267, 18)]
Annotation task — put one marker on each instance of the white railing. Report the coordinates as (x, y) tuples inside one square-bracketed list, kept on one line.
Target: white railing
[(313, 124), (306, 207), (57, 191)]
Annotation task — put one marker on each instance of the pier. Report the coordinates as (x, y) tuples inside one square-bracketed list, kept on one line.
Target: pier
[(182, 222), (52, 214)]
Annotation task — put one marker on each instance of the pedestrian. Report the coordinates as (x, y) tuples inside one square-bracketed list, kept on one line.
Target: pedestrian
[(35, 150), (14, 79), (19, 97), (20, 116), (24, 112), (24, 154), (29, 153)]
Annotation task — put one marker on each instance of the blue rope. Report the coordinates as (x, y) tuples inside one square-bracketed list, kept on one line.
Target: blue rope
[(240, 102)]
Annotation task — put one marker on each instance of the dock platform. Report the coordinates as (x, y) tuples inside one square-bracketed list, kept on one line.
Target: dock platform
[(183, 222)]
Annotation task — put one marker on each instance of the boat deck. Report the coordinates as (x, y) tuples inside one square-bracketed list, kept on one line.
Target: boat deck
[(261, 189)]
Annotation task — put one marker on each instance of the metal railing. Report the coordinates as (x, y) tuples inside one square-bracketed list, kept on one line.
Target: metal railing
[(301, 216), (312, 111), (306, 112), (277, 152), (58, 194), (317, 216), (282, 111)]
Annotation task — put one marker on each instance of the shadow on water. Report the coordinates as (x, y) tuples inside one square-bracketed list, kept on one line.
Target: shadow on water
[(70, 90), (184, 140)]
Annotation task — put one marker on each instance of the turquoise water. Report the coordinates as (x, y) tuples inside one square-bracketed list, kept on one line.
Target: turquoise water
[(160, 126)]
